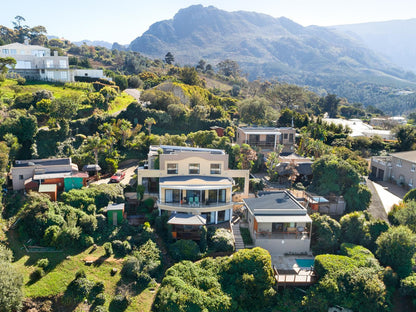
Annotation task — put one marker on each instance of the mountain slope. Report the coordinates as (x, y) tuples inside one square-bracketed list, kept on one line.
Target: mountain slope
[(396, 40), (264, 46)]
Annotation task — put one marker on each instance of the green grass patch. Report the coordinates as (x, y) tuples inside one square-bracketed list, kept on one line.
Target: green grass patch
[(245, 234), (120, 103)]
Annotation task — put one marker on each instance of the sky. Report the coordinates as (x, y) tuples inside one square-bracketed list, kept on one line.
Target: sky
[(124, 20)]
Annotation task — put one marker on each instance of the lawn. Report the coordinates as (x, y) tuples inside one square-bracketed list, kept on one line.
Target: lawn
[(120, 103), (62, 269)]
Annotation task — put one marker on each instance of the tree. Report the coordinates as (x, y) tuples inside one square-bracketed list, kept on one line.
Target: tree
[(330, 105), (287, 96), (254, 110), (11, 282), (406, 137), (169, 58), (246, 157), (4, 62), (407, 215), (272, 163), (189, 75), (229, 68), (149, 121), (95, 144), (201, 65), (396, 248), (353, 228), (325, 234)]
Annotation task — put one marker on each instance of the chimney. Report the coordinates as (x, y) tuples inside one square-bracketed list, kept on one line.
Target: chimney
[(26, 42), (55, 53)]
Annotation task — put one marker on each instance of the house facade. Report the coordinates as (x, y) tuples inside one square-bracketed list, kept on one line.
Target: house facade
[(398, 167), (35, 62), (192, 181), (29, 174), (267, 138), (279, 223)]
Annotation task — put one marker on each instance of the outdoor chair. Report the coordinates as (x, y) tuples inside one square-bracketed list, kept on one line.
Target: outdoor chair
[(191, 201), (197, 201)]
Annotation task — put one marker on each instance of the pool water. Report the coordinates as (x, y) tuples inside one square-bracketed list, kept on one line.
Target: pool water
[(305, 263)]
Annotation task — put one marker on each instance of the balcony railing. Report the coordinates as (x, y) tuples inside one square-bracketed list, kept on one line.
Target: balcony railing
[(196, 205), (282, 235)]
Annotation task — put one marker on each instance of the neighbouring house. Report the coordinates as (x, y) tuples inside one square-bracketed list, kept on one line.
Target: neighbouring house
[(191, 182), (303, 166), (397, 167), (279, 223), (30, 174), (267, 138), (35, 62), (330, 204), (115, 213), (359, 128), (388, 122)]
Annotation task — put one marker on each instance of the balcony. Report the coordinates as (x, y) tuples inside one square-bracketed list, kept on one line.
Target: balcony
[(301, 235), (200, 207)]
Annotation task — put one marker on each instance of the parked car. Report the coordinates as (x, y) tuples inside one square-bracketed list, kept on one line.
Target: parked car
[(117, 177)]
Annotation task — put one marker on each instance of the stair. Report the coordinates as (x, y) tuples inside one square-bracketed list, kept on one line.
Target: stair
[(239, 243)]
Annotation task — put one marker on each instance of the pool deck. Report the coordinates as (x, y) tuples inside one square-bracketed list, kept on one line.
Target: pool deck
[(288, 273)]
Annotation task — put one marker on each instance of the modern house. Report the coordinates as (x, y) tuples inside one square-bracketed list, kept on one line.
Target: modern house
[(279, 223), (191, 181), (398, 167), (359, 128), (29, 174), (267, 138), (35, 62)]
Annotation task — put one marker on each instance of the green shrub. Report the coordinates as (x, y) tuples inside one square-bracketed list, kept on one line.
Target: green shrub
[(390, 278), (23, 101), (245, 234), (184, 250), (99, 308), (37, 274), (86, 240), (329, 264), (42, 263), (222, 241), (149, 203), (411, 195), (108, 248), (408, 286), (119, 303), (99, 299), (80, 274), (362, 256), (121, 248), (203, 243)]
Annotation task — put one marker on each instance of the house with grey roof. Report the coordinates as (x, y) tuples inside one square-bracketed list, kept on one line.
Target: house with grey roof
[(279, 223)]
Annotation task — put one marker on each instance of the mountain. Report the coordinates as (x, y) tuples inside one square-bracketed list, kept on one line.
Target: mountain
[(266, 47), (95, 43), (396, 40)]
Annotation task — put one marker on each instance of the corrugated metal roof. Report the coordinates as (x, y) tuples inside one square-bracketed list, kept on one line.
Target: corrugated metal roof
[(111, 207), (47, 188)]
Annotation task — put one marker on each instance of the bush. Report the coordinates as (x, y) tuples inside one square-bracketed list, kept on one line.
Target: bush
[(184, 250), (42, 263), (121, 248), (108, 248), (119, 303), (99, 299), (149, 203), (408, 286), (411, 195), (23, 101), (222, 241), (100, 308), (37, 274), (80, 274), (21, 81), (329, 264), (86, 240), (362, 256)]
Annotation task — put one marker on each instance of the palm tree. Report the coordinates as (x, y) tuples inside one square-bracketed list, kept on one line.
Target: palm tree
[(149, 121), (96, 144)]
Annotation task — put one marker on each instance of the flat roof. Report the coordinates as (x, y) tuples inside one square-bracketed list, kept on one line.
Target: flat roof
[(186, 219), (169, 149), (42, 162), (55, 175), (284, 219), (195, 182), (46, 188), (111, 207), (409, 156), (279, 203)]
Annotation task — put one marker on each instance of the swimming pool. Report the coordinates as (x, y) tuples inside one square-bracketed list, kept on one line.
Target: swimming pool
[(305, 263)]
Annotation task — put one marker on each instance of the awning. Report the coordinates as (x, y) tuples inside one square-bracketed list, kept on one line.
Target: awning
[(186, 219), (284, 219)]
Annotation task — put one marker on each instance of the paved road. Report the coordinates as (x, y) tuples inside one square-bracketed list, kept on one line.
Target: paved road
[(130, 171)]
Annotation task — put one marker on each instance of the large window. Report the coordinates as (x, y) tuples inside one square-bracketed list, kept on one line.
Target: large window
[(5, 51), (193, 168), (49, 75), (64, 75), (215, 168), (62, 64), (49, 63), (172, 168)]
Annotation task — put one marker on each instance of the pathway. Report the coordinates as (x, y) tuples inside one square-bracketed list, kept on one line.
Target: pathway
[(239, 243)]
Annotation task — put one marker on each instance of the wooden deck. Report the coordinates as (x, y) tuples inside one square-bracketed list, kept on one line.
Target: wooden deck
[(302, 278)]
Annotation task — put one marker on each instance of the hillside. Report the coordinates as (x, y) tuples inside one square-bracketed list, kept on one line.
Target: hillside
[(395, 40), (264, 47)]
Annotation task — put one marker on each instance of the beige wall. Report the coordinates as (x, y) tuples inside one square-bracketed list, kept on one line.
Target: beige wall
[(276, 247), (404, 172)]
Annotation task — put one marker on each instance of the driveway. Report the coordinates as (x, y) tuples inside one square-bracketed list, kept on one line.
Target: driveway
[(129, 170), (381, 200)]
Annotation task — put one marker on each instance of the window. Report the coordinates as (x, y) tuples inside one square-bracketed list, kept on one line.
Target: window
[(411, 182), (215, 168), (172, 168), (413, 168), (221, 216), (193, 168), (5, 51), (285, 136), (62, 64), (399, 162), (49, 75), (21, 177), (13, 51), (49, 63), (291, 137), (64, 75)]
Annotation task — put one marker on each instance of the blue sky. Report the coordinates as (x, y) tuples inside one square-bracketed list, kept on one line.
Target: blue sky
[(124, 20)]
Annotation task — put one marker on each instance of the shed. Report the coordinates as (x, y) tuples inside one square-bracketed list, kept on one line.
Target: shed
[(115, 213), (50, 189), (75, 182)]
